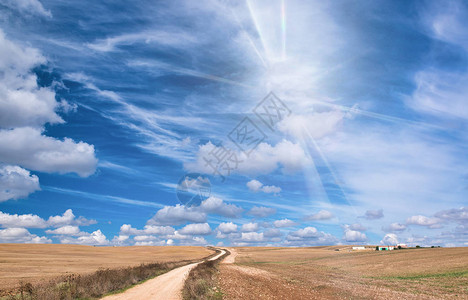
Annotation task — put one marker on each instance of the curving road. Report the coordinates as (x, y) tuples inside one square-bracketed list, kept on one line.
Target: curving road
[(167, 286)]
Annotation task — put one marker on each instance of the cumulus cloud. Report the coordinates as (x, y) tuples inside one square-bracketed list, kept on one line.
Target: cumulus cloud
[(374, 214), (284, 223), (249, 227), (351, 235), (196, 229), (272, 232), (68, 218), (459, 215), (321, 215), (395, 227), (94, 238), (309, 236), (65, 230), (261, 211), (227, 227), (22, 101), (16, 183), (21, 235), (357, 227), (256, 186), (175, 215), (287, 156), (28, 148), (217, 206), (420, 220), (252, 237), (34, 221), (127, 229), (27, 220), (25, 108), (389, 239)]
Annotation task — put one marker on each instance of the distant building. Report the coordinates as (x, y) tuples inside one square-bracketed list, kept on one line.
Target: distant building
[(384, 248), (402, 246), (359, 248)]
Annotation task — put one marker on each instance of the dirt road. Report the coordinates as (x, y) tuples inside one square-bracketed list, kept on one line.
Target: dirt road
[(167, 286)]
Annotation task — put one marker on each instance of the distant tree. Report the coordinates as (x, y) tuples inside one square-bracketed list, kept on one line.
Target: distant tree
[(376, 247), (399, 247), (432, 247), (417, 246)]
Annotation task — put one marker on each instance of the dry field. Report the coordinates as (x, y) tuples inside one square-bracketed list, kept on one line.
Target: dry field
[(322, 273), (36, 263)]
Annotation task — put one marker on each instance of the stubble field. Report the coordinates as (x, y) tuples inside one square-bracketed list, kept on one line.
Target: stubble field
[(323, 273), (39, 263)]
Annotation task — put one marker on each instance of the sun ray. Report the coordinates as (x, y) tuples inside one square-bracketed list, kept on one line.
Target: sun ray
[(255, 21), (260, 56)]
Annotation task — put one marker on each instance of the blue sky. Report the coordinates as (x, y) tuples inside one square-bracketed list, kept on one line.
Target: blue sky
[(105, 106)]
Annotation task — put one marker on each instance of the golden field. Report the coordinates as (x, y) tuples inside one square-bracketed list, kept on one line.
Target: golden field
[(35, 263)]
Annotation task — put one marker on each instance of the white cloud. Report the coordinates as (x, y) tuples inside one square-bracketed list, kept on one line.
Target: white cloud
[(272, 232), (216, 205), (68, 218), (357, 227), (459, 215), (27, 220), (374, 214), (227, 227), (440, 93), (261, 211), (432, 223), (28, 148), (34, 221), (315, 125), (22, 101), (395, 227), (21, 235), (94, 238), (196, 229), (255, 186), (252, 237), (28, 7), (353, 235), (172, 38), (194, 241), (287, 156), (127, 229), (175, 215), (249, 227), (321, 215), (284, 223), (65, 230), (16, 183), (389, 239), (309, 236), (25, 108)]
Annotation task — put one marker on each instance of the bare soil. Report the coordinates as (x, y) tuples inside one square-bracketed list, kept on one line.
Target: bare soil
[(322, 273)]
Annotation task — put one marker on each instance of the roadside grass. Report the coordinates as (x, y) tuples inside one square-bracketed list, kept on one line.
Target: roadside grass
[(95, 285), (201, 283)]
